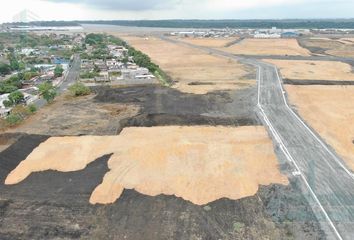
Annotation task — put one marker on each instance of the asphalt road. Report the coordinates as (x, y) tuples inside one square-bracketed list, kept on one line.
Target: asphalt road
[(70, 78), (327, 182)]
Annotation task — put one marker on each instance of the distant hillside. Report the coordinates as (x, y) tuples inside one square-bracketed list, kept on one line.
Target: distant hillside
[(49, 24), (292, 24)]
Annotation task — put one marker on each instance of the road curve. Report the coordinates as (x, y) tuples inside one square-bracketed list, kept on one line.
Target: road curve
[(323, 175)]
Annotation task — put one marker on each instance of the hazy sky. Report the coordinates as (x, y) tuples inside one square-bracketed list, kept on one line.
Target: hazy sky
[(172, 9)]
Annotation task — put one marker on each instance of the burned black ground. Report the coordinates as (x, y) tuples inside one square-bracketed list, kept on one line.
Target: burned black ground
[(161, 106), (53, 205)]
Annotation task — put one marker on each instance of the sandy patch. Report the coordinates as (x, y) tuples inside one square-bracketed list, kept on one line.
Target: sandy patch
[(187, 65), (200, 164), (330, 111), (268, 47), (314, 70), (208, 42)]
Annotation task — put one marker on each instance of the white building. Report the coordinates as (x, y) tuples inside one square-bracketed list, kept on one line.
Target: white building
[(133, 73)]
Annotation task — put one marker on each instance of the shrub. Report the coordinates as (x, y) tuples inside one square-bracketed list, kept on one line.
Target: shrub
[(58, 71), (79, 89), (16, 97), (13, 119), (7, 103), (32, 108)]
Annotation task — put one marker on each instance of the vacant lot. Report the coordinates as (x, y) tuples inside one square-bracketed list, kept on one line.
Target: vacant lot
[(200, 164), (84, 115), (341, 48), (209, 42), (330, 111), (314, 70), (195, 71), (281, 47)]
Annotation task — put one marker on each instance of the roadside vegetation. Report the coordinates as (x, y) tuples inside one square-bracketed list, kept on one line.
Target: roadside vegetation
[(100, 43), (79, 89), (47, 91), (18, 114)]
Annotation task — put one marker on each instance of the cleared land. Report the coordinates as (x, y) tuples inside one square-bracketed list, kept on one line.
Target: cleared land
[(330, 111), (329, 46), (314, 70), (281, 47), (200, 164), (74, 116), (209, 42), (195, 71)]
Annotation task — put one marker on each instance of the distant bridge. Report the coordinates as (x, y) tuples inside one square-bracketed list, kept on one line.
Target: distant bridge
[(25, 16)]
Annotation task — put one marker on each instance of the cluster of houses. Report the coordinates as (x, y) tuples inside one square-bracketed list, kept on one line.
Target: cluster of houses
[(45, 63), (118, 69), (248, 33)]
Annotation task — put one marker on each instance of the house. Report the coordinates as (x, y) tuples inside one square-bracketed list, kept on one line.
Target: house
[(101, 65), (3, 97), (267, 35), (145, 77), (289, 35), (87, 65), (133, 73), (28, 51), (102, 78), (114, 64), (59, 60)]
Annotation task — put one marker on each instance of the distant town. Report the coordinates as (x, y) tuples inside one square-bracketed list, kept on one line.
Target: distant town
[(34, 66)]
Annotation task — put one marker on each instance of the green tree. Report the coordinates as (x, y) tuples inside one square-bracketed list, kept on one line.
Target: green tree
[(16, 97), (7, 88), (14, 64), (47, 91), (5, 69), (58, 71)]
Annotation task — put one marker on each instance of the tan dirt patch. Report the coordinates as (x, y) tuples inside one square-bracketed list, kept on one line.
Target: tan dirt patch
[(330, 111), (314, 70), (200, 164), (268, 47), (187, 65)]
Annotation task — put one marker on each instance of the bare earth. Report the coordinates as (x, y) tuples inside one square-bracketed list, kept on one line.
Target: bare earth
[(330, 111), (314, 70), (341, 48), (188, 66), (83, 115), (268, 47), (200, 164)]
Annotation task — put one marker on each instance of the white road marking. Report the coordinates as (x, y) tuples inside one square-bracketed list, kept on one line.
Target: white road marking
[(285, 150), (312, 133), (291, 159)]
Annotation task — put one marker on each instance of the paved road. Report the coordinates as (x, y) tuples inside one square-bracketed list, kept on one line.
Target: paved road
[(70, 78), (323, 175)]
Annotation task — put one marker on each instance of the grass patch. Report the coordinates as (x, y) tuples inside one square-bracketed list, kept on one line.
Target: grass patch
[(79, 89), (163, 78)]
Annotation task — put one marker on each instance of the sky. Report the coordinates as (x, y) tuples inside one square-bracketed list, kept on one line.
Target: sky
[(177, 9)]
